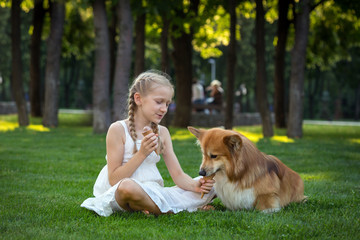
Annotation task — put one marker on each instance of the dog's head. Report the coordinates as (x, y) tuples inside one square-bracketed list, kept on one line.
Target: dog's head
[(220, 149)]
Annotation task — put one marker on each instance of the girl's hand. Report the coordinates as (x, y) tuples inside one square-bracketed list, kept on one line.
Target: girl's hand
[(149, 144), (206, 185)]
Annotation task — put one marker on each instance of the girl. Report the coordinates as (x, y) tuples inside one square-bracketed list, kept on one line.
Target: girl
[(131, 181)]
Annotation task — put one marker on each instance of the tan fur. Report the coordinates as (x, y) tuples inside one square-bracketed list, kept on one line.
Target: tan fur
[(246, 177)]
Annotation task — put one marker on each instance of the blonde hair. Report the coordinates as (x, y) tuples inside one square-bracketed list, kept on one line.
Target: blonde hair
[(144, 84), (215, 83)]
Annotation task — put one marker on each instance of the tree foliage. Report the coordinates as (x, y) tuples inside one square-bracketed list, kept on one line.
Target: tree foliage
[(213, 33), (334, 32)]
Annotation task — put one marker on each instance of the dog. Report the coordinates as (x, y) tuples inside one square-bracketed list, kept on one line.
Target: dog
[(246, 178)]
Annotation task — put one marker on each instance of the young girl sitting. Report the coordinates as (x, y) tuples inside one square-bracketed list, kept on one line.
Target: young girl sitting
[(130, 181)]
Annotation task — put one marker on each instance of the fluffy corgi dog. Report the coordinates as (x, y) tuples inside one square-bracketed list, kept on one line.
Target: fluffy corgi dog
[(246, 178)]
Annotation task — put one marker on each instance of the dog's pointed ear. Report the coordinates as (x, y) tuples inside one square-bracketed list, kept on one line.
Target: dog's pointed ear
[(197, 132), (234, 142)]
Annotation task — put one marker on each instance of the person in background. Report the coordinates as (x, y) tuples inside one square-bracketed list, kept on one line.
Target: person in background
[(198, 96), (216, 93)]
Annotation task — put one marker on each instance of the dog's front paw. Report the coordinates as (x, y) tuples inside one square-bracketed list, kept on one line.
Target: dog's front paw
[(271, 210)]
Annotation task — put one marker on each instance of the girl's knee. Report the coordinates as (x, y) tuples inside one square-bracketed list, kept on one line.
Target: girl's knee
[(130, 196), (127, 189)]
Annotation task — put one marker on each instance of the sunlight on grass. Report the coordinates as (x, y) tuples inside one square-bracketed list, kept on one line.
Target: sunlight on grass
[(182, 135), (255, 137), (355, 140), (10, 126), (39, 128), (316, 176), (283, 139)]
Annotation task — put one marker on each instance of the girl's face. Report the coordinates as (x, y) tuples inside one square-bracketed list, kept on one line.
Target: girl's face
[(154, 105)]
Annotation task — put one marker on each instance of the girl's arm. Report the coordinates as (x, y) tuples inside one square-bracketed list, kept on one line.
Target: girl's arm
[(180, 178), (115, 147)]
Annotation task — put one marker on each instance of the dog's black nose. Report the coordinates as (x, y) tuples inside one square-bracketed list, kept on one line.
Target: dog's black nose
[(202, 173)]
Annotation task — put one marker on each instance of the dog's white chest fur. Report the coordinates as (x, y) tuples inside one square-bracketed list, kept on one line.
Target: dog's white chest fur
[(232, 196)]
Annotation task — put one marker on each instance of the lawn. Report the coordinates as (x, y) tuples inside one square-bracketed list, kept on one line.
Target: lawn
[(46, 174)]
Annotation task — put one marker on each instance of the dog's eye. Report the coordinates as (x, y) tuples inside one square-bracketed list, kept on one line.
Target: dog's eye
[(213, 156)]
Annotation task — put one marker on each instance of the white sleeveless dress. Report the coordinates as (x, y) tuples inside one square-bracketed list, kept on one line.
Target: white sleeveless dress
[(147, 175)]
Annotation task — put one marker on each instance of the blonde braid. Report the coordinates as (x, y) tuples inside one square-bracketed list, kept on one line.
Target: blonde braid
[(154, 127), (132, 107)]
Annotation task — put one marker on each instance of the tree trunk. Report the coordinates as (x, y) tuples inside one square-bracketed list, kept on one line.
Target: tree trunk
[(280, 51), (112, 40), (182, 57), (311, 98), (35, 55), (123, 63), (140, 44), (52, 72), (357, 103), (298, 58), (164, 44), (69, 80), (165, 65), (16, 64), (101, 99), (313, 89), (2, 89), (231, 62), (261, 91), (338, 115)]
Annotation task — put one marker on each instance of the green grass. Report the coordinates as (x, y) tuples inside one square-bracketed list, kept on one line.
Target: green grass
[(45, 176)]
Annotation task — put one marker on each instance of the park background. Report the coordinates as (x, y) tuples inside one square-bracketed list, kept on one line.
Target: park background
[(297, 59)]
